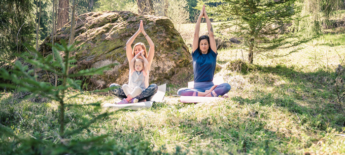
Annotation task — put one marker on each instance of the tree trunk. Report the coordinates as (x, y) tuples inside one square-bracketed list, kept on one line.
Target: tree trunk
[(166, 7), (53, 25), (55, 10), (151, 6), (145, 7), (251, 51), (71, 38), (91, 2), (63, 13), (53, 36), (37, 25), (37, 32)]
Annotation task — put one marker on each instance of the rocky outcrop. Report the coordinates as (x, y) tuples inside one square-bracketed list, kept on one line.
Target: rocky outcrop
[(101, 39)]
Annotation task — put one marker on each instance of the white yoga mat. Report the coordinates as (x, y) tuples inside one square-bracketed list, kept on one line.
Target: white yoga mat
[(195, 99), (134, 106), (158, 97)]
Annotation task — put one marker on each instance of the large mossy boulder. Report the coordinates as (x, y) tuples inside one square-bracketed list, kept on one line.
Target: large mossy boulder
[(102, 36)]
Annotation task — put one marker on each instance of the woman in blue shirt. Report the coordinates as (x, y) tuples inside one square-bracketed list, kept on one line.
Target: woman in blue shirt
[(204, 64)]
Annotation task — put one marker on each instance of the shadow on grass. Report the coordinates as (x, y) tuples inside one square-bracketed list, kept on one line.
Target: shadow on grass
[(159, 105), (333, 39), (280, 44), (278, 56), (307, 94), (331, 44)]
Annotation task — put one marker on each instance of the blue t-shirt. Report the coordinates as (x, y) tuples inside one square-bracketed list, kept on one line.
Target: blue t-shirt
[(204, 66)]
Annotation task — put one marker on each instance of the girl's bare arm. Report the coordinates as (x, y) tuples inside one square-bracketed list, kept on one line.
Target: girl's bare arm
[(146, 63), (131, 63)]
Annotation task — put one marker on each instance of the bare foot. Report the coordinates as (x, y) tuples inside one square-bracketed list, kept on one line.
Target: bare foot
[(128, 98), (208, 95)]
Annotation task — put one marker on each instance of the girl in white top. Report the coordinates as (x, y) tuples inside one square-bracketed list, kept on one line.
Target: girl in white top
[(137, 77)]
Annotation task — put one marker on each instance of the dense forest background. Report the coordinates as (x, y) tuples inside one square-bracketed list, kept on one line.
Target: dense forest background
[(19, 18)]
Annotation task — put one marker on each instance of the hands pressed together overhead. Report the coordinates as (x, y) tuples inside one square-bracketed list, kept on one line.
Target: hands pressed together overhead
[(203, 12), (141, 27)]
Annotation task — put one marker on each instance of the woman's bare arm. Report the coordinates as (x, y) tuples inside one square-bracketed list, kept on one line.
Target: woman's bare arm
[(152, 46), (196, 32), (213, 45), (129, 45)]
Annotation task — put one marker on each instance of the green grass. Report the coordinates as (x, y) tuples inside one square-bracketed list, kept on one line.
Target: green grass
[(285, 105), (333, 40)]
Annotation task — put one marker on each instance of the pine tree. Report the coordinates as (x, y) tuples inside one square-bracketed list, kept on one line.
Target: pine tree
[(259, 22)]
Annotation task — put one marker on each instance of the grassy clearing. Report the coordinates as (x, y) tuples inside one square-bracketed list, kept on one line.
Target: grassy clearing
[(284, 106)]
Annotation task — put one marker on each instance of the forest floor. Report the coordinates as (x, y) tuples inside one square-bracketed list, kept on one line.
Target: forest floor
[(286, 105)]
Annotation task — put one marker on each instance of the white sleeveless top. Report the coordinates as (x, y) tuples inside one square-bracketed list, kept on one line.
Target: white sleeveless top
[(137, 79)]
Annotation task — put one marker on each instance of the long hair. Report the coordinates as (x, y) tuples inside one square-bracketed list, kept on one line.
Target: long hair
[(208, 40), (142, 46)]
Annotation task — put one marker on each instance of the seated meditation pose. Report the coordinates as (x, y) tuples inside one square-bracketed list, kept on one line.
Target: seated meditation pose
[(137, 75), (204, 64), (138, 87)]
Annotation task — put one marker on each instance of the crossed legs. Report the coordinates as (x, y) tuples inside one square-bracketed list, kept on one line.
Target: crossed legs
[(131, 93), (214, 91)]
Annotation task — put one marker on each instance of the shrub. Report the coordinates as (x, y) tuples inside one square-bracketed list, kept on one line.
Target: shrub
[(241, 66)]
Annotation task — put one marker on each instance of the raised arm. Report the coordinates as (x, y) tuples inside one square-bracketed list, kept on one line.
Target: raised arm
[(131, 64), (213, 45), (146, 63), (152, 46), (129, 45), (197, 29)]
